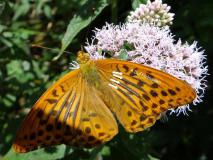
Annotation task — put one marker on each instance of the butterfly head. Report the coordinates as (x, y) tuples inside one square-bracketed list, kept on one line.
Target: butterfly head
[(82, 57)]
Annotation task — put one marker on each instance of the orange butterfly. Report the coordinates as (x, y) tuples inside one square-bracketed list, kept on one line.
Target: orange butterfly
[(80, 108)]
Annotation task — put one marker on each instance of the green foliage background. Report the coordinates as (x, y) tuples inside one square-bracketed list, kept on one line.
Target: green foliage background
[(26, 71)]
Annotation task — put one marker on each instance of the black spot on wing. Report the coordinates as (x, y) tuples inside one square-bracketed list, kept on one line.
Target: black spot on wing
[(126, 68)]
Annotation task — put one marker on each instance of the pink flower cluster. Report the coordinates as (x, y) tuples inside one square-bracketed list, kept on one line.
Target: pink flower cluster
[(153, 13), (156, 47)]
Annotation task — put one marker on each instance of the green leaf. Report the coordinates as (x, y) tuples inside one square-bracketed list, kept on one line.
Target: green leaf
[(47, 11), (95, 153), (40, 71), (79, 22), (152, 158), (106, 151), (8, 100), (123, 54), (2, 6), (26, 65), (39, 6), (21, 9), (2, 28), (14, 68), (52, 153), (128, 46), (6, 42), (7, 34), (136, 3)]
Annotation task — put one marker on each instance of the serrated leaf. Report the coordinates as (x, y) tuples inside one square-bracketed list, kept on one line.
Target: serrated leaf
[(79, 22)]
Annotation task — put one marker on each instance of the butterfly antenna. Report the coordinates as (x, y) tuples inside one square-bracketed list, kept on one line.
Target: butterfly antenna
[(40, 46)]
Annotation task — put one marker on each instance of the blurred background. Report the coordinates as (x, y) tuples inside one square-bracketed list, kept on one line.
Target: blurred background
[(26, 72)]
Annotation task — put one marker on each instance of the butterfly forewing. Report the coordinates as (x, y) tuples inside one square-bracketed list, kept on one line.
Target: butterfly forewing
[(43, 122), (144, 92)]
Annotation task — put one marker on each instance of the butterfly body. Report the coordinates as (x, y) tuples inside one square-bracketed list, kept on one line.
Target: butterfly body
[(90, 74), (81, 108)]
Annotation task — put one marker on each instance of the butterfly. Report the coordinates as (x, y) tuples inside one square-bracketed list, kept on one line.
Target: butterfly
[(83, 108)]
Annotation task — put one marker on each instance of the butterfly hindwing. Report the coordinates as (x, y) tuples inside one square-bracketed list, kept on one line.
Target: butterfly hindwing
[(97, 121), (144, 93)]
